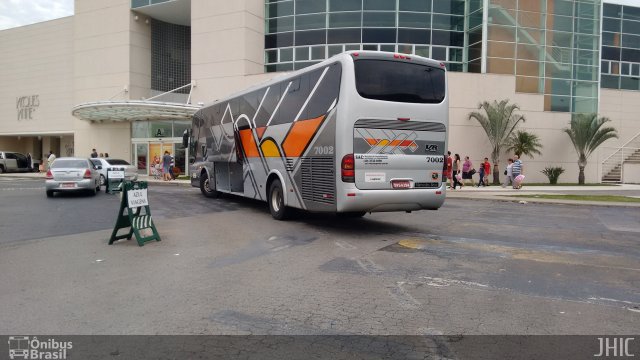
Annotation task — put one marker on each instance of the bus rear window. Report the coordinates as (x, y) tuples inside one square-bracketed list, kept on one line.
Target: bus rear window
[(399, 81)]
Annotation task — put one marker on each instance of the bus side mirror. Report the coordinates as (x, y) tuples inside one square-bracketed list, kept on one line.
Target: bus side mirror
[(185, 138)]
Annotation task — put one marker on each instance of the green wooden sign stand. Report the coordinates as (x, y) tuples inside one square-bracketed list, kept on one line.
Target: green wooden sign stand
[(133, 218)]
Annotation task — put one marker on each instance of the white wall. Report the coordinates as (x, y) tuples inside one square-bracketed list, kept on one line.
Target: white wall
[(35, 61)]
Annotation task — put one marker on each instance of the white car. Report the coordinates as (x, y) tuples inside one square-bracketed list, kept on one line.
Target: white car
[(130, 171)]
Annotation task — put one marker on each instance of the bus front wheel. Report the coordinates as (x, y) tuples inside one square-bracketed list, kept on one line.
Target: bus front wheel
[(276, 201), (207, 187)]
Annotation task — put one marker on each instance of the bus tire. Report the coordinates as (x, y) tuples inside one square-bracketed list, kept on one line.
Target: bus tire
[(276, 201), (205, 186)]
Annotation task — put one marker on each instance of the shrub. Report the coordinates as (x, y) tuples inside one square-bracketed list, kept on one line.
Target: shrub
[(553, 173)]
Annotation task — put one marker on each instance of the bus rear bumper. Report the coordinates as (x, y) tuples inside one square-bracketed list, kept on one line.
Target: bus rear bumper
[(391, 200)]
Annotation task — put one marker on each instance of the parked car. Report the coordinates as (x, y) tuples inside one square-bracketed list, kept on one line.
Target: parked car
[(11, 161), (72, 174), (130, 171)]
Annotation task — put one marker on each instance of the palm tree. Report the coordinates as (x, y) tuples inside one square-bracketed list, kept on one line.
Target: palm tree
[(499, 122), (524, 143), (586, 133)]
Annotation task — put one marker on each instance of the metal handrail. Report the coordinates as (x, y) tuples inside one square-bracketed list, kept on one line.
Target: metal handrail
[(621, 147)]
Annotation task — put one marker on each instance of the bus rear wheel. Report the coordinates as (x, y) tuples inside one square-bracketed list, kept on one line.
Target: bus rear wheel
[(276, 201), (208, 188)]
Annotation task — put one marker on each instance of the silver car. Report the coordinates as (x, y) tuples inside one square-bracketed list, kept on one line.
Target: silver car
[(130, 171), (72, 174)]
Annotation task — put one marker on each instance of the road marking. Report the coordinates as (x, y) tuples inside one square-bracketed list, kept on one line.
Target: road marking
[(440, 282), (345, 245), (369, 266), (280, 248), (403, 297)]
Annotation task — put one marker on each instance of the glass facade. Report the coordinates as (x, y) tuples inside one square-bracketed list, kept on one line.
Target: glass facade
[(551, 46), (300, 33), (620, 66), (171, 56), (562, 49)]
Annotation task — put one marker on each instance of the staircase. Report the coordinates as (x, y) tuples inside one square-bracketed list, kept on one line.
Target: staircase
[(612, 165)]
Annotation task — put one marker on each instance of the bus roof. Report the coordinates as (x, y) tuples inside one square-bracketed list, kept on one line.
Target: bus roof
[(342, 57)]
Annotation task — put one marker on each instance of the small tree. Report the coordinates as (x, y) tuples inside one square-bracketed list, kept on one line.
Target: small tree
[(553, 173), (498, 121), (524, 143), (586, 133)]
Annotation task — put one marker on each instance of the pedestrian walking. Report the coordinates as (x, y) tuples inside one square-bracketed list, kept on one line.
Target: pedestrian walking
[(487, 170), (481, 174), (517, 169), (449, 172), (166, 164), (456, 172), (106, 155), (29, 162), (50, 159), (94, 153), (467, 171), (508, 179), (171, 166)]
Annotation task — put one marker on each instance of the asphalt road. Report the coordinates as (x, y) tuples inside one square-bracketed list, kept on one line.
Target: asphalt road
[(225, 267)]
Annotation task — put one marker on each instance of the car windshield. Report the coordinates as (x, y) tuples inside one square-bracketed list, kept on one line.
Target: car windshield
[(117, 162), (65, 164)]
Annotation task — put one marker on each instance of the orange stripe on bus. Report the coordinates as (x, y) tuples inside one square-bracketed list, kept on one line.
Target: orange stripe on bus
[(260, 131), (270, 148), (248, 143), (299, 136), (372, 141)]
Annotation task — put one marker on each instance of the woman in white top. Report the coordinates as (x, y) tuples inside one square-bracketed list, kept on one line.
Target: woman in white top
[(509, 178)]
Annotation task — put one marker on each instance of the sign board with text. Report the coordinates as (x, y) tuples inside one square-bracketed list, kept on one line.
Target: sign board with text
[(135, 215)]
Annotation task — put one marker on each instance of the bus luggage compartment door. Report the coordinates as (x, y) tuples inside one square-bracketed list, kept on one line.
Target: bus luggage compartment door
[(398, 158)]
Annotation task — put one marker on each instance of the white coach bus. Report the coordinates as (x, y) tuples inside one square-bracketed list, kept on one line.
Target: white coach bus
[(359, 132)]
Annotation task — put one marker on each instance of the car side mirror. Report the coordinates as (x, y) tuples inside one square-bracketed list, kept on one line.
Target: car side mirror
[(99, 167)]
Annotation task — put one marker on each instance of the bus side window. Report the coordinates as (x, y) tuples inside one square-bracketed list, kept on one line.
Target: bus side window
[(293, 101), (268, 105)]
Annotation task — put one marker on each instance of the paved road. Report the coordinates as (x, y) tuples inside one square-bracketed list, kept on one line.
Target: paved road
[(225, 267)]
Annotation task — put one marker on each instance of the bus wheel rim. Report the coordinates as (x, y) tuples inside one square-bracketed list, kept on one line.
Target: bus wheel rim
[(275, 200)]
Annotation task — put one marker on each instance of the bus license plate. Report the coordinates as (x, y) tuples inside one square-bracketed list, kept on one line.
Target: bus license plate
[(401, 184)]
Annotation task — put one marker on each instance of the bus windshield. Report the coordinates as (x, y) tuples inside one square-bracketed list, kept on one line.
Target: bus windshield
[(399, 81)]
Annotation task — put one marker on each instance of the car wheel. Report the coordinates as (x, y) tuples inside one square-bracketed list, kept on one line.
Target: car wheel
[(207, 187), (276, 201), (49, 193), (1, 169), (102, 180)]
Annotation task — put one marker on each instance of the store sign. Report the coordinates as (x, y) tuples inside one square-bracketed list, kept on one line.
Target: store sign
[(26, 106)]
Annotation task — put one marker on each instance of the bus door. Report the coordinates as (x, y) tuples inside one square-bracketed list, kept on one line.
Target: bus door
[(395, 154)]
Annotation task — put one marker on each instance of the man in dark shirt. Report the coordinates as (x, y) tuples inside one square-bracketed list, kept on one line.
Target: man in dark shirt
[(94, 153)]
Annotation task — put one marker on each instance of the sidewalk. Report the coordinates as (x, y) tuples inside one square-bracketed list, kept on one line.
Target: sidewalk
[(494, 192)]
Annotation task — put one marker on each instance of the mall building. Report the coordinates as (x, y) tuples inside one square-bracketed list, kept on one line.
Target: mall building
[(125, 76)]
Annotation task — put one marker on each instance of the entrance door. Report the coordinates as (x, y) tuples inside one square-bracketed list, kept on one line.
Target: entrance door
[(141, 158), (156, 151)]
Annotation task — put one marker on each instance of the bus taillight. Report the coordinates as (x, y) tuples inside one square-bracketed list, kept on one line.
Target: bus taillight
[(348, 169)]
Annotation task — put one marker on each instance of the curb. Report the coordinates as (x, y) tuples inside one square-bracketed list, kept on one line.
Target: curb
[(545, 201)]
